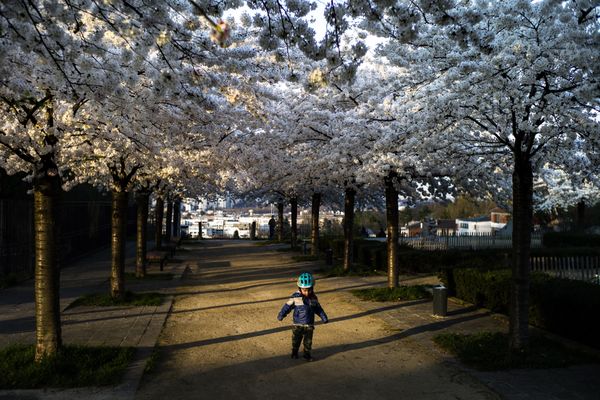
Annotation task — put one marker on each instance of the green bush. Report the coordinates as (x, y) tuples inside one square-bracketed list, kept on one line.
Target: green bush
[(565, 251), (489, 351), (433, 261), (366, 253), (570, 239), (483, 288), (565, 307)]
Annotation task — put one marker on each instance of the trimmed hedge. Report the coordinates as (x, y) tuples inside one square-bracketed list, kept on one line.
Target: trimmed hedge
[(565, 307), (372, 254), (432, 261), (489, 289), (570, 239)]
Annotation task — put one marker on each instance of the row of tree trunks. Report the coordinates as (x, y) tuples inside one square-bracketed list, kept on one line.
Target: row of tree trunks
[(294, 222), (177, 218), (349, 199), (119, 225), (169, 222), (47, 273), (46, 190), (521, 251), (391, 207), (141, 226), (316, 204), (280, 221), (158, 218)]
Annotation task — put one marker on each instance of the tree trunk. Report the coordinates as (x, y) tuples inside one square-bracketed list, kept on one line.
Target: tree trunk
[(280, 221), (47, 274), (158, 217), (349, 197), (294, 226), (391, 207), (316, 204), (142, 226), (253, 230), (580, 221), (119, 225), (521, 249), (177, 218), (169, 221)]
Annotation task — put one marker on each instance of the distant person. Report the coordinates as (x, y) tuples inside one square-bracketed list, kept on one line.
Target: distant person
[(272, 225), (381, 233), (305, 304)]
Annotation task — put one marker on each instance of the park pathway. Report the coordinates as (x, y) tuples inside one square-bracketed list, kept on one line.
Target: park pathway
[(222, 339)]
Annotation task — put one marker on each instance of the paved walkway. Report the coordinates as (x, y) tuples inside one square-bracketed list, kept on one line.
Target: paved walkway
[(110, 326), (217, 283)]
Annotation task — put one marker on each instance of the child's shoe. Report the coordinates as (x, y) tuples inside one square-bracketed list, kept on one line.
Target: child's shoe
[(295, 354), (307, 357)]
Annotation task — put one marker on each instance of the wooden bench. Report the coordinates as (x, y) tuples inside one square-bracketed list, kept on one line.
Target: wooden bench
[(157, 256)]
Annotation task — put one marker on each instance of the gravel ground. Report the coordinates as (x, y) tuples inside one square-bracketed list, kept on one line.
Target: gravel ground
[(223, 341)]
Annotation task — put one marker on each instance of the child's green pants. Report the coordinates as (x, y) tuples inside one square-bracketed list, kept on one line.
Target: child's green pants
[(300, 332)]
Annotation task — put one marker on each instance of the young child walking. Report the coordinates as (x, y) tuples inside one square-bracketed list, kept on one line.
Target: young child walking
[(305, 304)]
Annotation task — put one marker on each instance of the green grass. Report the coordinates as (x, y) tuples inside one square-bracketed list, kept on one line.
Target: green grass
[(152, 360), (74, 366), (401, 293), (130, 299), (489, 351), (149, 277)]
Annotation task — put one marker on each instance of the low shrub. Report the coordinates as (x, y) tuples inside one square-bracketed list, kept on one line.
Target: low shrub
[(419, 261), (565, 307), (489, 351), (570, 239), (489, 289)]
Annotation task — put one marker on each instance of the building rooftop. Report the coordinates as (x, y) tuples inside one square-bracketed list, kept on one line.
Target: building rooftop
[(482, 218)]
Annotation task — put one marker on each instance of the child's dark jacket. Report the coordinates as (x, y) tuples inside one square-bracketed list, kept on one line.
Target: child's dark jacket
[(304, 308)]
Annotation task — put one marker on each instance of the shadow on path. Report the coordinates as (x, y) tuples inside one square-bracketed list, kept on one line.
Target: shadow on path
[(409, 332)]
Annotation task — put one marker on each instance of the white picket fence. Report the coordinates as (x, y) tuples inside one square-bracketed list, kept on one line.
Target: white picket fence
[(466, 242), (582, 268)]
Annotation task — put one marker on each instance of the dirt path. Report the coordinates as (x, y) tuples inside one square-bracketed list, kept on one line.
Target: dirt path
[(223, 341)]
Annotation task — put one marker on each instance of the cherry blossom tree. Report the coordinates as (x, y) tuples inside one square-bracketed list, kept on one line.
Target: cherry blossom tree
[(508, 86)]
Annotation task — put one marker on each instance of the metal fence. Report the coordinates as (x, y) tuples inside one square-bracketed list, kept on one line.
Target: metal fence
[(582, 268), (471, 242)]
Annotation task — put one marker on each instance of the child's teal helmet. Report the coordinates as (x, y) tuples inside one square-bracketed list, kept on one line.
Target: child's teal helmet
[(306, 280)]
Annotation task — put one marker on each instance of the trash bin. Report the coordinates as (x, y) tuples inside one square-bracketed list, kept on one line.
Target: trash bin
[(440, 301), (329, 257)]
